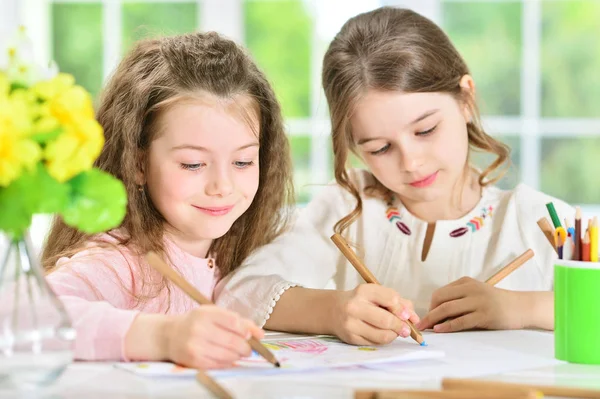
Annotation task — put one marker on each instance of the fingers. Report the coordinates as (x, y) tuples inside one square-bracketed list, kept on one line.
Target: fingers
[(387, 298), (467, 321), (381, 319), (446, 310), (365, 334), (236, 324), (381, 296), (448, 293)]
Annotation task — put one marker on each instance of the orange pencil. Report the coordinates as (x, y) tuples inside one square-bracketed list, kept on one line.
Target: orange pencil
[(366, 274), (585, 247)]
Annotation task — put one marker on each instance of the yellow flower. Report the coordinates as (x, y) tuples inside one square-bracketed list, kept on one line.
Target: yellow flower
[(75, 150), (48, 89), (4, 86), (17, 151)]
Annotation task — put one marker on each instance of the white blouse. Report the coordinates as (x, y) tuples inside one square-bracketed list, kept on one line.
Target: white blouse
[(502, 226)]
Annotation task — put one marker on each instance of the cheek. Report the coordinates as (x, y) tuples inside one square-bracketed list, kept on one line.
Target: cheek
[(171, 184), (248, 183)]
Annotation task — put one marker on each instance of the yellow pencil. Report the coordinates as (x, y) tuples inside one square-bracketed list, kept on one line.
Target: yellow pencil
[(594, 241)]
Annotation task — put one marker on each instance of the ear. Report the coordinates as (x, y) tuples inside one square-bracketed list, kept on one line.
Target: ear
[(467, 86), (140, 173)]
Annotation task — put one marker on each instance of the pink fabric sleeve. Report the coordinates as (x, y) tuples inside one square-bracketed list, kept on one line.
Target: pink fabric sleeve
[(95, 287)]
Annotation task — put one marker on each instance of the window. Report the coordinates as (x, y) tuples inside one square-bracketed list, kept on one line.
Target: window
[(533, 63)]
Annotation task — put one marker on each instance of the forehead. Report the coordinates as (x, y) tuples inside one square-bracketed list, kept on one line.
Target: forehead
[(209, 115), (379, 111)]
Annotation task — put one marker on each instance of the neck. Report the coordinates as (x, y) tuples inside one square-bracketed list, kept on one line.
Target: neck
[(193, 246), (459, 201)]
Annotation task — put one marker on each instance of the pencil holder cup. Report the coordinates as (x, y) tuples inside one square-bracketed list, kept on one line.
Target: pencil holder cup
[(577, 311)]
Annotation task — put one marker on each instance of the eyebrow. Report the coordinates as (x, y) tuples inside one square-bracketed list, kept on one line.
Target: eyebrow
[(200, 148), (418, 119)]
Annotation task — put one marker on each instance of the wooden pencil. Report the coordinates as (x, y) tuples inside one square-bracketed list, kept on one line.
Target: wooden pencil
[(567, 392), (447, 394), (594, 240), (548, 231), (585, 247), (366, 274), (158, 264), (511, 267), (577, 238), (212, 385)]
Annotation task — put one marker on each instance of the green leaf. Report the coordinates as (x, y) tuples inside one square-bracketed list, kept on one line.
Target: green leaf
[(16, 205), (52, 196), (17, 85), (43, 138), (98, 203), (34, 192)]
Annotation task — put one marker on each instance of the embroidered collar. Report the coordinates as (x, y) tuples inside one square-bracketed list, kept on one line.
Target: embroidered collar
[(473, 225)]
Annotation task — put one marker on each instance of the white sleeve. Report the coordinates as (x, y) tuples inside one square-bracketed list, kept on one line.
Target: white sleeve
[(303, 256), (531, 205)]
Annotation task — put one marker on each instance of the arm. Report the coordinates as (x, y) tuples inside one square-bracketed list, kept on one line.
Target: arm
[(539, 312), (302, 256), (100, 304)]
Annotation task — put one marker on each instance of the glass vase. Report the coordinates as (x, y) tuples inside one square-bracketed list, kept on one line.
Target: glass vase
[(36, 335)]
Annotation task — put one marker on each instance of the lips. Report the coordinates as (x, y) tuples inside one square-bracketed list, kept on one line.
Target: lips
[(427, 181), (215, 211)]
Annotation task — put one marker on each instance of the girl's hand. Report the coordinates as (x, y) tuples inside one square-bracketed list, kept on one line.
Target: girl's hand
[(470, 304), (371, 314), (209, 337)]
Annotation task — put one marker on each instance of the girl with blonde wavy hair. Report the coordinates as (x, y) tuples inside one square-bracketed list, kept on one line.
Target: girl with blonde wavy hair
[(194, 131), (428, 224)]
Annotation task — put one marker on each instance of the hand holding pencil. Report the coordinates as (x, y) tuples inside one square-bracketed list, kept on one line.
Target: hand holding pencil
[(468, 303), (372, 314)]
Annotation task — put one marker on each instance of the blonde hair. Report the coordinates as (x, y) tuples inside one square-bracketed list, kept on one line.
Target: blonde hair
[(393, 49), (154, 75)]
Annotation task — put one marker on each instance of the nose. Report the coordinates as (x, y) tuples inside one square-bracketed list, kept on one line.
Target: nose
[(220, 181), (410, 157)]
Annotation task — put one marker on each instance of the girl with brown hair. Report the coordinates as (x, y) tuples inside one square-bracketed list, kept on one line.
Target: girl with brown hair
[(429, 225), (194, 131)]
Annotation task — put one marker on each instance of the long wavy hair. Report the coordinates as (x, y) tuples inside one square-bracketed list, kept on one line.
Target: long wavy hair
[(394, 49), (153, 76)]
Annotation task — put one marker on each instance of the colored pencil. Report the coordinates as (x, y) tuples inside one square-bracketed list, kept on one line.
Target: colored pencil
[(511, 267), (212, 385), (553, 215), (577, 238), (567, 392), (548, 231), (158, 264), (366, 274), (594, 241), (585, 247), (447, 394)]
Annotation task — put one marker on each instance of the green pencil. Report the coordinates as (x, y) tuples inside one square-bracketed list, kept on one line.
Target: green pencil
[(553, 215)]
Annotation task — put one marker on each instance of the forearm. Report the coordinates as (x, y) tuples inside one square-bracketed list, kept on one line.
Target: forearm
[(540, 310), (147, 338), (303, 310)]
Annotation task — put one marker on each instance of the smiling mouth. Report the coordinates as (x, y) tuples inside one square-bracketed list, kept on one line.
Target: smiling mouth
[(425, 182), (215, 211)]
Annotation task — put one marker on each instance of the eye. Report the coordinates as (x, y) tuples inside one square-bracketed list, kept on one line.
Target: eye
[(243, 165), (381, 150), (426, 132), (191, 166)]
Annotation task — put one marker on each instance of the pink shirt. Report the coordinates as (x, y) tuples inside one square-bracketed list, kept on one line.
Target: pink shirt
[(96, 287)]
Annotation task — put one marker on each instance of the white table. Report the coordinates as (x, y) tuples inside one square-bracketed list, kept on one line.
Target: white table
[(514, 356)]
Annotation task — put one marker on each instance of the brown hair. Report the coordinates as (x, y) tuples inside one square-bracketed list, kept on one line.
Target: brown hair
[(393, 49), (154, 75)]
